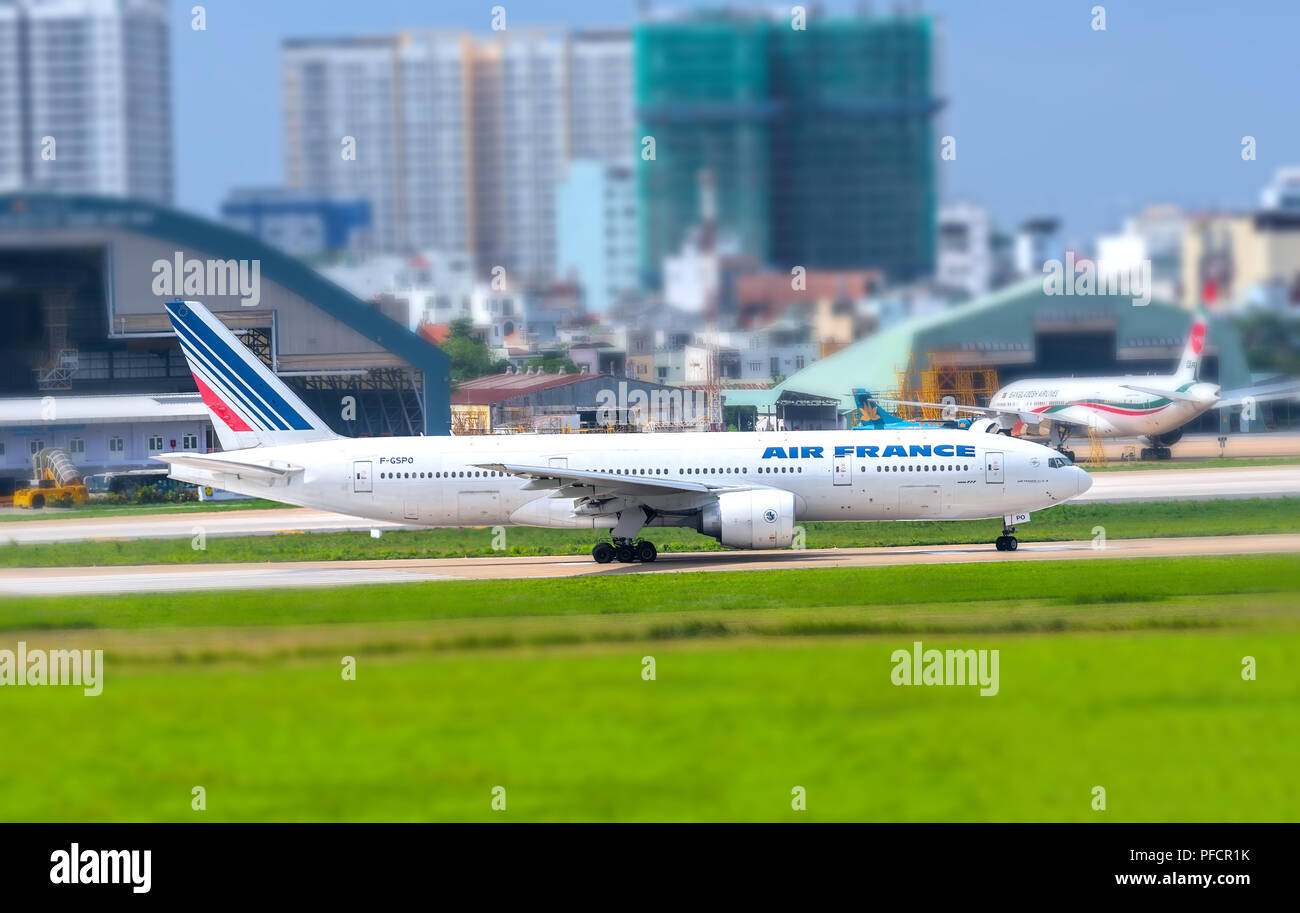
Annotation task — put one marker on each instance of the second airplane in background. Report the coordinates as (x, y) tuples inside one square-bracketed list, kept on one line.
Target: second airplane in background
[(1154, 407)]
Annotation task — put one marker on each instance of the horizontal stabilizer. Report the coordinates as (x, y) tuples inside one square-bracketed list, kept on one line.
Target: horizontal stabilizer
[(269, 474), (1157, 391), (1264, 393)]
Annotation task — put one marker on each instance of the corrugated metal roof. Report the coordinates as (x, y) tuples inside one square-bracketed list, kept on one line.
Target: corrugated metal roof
[(90, 410), (758, 398), (483, 391)]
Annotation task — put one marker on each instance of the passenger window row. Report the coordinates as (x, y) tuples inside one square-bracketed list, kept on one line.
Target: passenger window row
[(927, 467)]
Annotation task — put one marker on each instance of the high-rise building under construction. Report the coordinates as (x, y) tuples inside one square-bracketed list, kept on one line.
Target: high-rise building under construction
[(819, 139)]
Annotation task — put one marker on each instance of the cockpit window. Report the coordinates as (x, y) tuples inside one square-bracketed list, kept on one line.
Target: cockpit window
[(1058, 462)]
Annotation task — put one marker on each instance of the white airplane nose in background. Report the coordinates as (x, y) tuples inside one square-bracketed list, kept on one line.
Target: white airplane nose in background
[(1084, 480)]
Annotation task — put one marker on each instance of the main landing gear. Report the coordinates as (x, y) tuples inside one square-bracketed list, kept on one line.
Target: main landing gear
[(626, 551), (1068, 454), (1156, 453), (1007, 542)]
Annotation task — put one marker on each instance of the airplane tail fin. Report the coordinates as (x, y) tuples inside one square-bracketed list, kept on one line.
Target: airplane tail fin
[(871, 414), (249, 405), (1191, 360)]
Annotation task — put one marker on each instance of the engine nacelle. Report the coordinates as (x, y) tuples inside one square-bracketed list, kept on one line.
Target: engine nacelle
[(751, 519), (986, 425), (1168, 439)]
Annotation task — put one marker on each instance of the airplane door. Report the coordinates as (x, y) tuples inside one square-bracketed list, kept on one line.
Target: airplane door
[(993, 466), (361, 476), (843, 470)]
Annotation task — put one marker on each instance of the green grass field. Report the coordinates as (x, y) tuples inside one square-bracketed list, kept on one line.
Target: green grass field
[(1123, 674), (1066, 522)]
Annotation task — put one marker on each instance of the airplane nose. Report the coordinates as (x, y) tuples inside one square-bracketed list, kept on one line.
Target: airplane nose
[(1083, 479)]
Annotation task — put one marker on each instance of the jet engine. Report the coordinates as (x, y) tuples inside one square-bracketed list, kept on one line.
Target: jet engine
[(986, 425), (1168, 439), (750, 519)]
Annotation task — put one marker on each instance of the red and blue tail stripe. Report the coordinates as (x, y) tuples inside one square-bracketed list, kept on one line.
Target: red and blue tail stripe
[(230, 380)]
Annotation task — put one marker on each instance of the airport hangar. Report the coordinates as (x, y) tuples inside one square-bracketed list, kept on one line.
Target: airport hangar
[(1017, 332), (88, 359)]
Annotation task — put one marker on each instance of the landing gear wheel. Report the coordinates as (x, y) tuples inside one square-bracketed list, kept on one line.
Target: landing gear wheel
[(1007, 541), (646, 551), (625, 554), (1068, 454), (603, 552), (1147, 454)]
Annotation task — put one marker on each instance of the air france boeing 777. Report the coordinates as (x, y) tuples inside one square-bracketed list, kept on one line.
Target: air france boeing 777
[(747, 490)]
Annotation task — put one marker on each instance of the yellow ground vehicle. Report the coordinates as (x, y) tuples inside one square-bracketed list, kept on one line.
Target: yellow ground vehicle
[(55, 480)]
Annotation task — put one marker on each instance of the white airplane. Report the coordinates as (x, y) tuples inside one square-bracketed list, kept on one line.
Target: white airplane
[(1153, 407), (747, 490)]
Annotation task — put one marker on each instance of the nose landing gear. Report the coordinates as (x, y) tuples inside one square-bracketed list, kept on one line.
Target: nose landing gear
[(1007, 542), (626, 551)]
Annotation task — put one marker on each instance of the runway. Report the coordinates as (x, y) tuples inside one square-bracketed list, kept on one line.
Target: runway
[(190, 577), (185, 525), (1193, 484), (1136, 485)]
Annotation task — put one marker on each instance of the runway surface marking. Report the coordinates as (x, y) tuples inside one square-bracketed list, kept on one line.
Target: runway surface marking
[(1138, 485), (163, 578)]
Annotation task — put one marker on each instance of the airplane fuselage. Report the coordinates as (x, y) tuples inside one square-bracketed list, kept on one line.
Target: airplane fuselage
[(1106, 405), (923, 474)]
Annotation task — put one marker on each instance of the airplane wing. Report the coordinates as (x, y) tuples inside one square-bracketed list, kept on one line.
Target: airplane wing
[(1286, 389), (215, 465), (1029, 418), (1157, 391), (576, 483)]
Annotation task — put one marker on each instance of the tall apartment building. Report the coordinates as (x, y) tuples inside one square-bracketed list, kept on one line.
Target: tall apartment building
[(602, 123), (341, 112), (534, 129), (85, 97), (596, 231), (434, 203), (821, 140), (460, 141)]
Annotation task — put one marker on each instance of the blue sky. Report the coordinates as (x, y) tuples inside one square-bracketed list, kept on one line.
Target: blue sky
[(1050, 117)]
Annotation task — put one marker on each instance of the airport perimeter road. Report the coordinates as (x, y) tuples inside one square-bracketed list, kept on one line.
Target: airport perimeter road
[(183, 526), (169, 578), (1193, 484), (1201, 446)]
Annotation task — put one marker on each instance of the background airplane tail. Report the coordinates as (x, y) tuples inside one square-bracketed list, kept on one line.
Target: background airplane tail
[(871, 414), (249, 405), (1190, 364)]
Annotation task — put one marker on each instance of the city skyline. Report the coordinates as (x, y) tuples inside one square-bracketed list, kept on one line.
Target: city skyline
[(1018, 105)]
